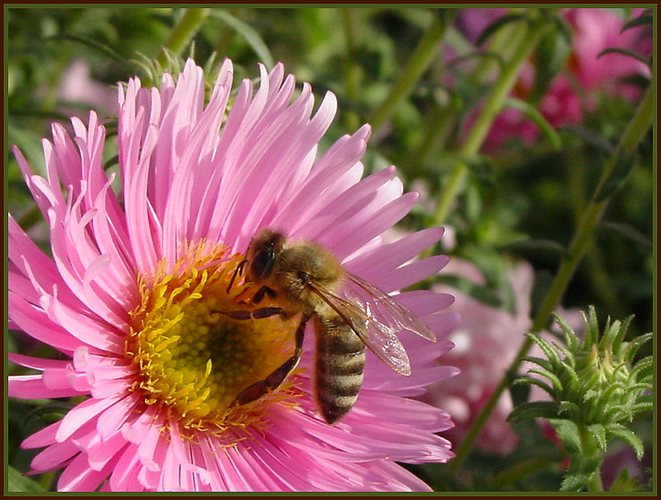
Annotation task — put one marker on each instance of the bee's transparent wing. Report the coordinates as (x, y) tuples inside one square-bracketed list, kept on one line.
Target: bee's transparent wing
[(378, 337), (380, 306)]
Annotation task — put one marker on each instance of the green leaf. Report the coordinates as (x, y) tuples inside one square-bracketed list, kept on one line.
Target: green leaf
[(478, 292), (111, 162), (575, 482), (563, 28), (497, 24), (631, 348), (541, 286), (636, 79), (646, 18), (568, 434), (251, 36), (591, 138), (578, 476), (552, 53), (534, 246), (481, 167), (548, 349), (625, 52), (574, 382), (628, 231), (629, 437), (473, 204), (568, 409), (640, 386), (544, 363), (527, 381), (641, 407), (599, 433), (90, 42), (538, 119), (519, 392), (581, 470), (624, 163), (572, 342), (618, 337), (18, 483), (624, 483), (642, 370), (535, 409), (477, 54), (48, 412), (557, 384)]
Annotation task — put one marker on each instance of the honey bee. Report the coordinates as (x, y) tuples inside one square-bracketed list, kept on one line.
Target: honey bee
[(348, 313)]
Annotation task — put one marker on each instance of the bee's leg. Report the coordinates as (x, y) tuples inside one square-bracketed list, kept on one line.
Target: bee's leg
[(264, 312), (237, 271), (261, 293), (277, 376)]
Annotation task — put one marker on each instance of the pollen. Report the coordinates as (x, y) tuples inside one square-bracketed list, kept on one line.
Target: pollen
[(193, 358)]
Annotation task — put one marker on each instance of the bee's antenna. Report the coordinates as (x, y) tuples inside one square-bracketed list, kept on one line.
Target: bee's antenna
[(237, 271)]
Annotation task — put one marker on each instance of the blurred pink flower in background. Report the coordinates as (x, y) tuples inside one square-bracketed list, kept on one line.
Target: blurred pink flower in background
[(130, 298), (594, 30), (561, 105), (624, 457), (485, 345), (568, 96), (77, 86), (473, 22)]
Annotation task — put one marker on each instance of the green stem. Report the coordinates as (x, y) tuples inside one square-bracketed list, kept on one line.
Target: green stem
[(590, 452), (30, 218), (600, 283), (351, 70), (183, 32), (492, 106), (633, 134), (420, 60), (437, 129), (519, 471), (222, 44), (501, 43)]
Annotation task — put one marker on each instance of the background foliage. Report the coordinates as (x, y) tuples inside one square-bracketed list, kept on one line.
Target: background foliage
[(521, 199)]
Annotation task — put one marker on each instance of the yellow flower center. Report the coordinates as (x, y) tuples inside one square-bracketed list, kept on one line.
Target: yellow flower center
[(194, 359)]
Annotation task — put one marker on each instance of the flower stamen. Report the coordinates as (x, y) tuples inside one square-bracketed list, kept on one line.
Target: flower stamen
[(193, 360)]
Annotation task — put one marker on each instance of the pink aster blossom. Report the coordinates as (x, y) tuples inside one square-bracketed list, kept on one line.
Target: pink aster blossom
[(77, 86), (569, 95), (485, 346), (560, 106), (127, 297), (594, 30)]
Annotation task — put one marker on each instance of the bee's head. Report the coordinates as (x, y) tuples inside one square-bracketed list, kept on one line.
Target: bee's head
[(262, 254)]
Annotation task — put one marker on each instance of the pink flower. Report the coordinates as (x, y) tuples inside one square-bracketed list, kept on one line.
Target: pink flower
[(131, 294), (77, 86), (623, 457), (472, 22), (566, 100), (485, 346), (594, 30), (560, 106)]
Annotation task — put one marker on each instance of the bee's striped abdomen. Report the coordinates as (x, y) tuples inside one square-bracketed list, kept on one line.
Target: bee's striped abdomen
[(339, 367)]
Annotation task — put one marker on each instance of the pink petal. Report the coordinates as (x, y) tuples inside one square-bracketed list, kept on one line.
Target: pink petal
[(54, 456), (114, 417), (86, 411), (41, 438), (33, 387)]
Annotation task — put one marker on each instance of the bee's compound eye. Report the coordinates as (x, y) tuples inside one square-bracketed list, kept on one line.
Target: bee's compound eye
[(262, 263)]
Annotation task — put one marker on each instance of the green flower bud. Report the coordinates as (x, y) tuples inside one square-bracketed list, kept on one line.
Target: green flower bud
[(596, 388)]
